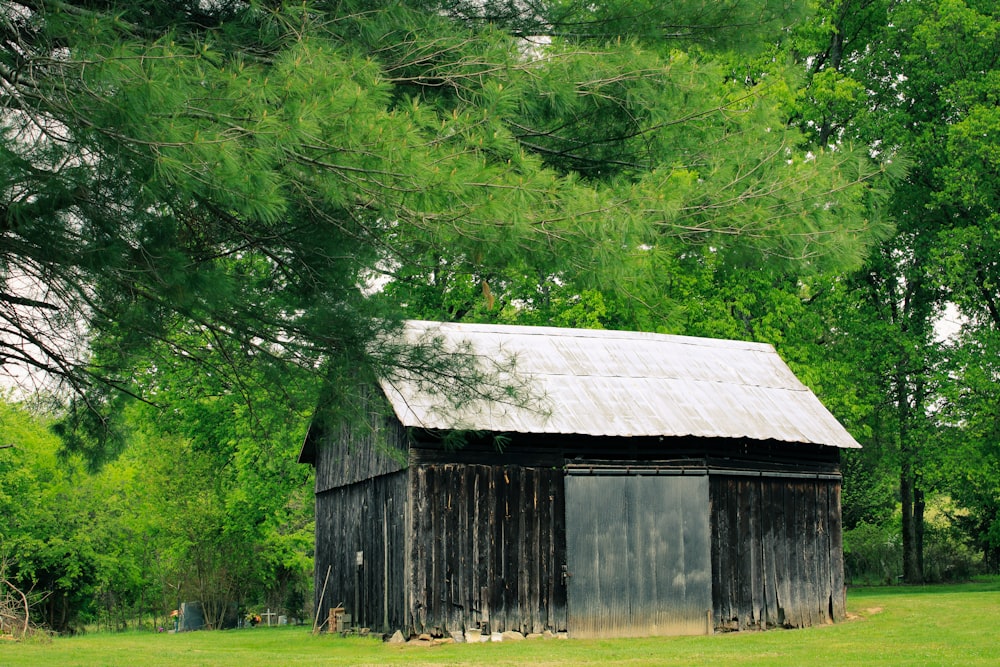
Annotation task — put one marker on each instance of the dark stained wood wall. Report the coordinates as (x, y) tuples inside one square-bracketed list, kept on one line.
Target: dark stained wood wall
[(476, 538), (777, 558), (369, 444), (487, 548), (368, 516)]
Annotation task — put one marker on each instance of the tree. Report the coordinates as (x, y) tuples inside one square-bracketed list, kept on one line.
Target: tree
[(240, 170), (196, 506), (48, 545), (214, 487), (917, 79)]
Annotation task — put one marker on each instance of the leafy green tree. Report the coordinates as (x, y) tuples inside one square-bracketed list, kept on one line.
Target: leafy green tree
[(47, 538), (970, 461), (917, 79), (214, 478), (204, 501)]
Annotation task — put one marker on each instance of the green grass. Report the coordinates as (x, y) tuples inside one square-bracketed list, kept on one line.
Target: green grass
[(932, 625)]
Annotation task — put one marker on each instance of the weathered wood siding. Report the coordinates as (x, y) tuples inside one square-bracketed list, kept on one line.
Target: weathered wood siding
[(777, 556), (366, 446), (476, 538), (368, 517), (487, 548)]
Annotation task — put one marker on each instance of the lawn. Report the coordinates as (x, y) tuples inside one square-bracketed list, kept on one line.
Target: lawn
[(932, 625)]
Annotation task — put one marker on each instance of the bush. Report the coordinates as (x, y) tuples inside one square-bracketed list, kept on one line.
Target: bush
[(947, 555), (873, 554)]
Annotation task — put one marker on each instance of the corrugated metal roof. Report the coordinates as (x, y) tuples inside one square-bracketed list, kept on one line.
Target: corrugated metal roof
[(618, 383)]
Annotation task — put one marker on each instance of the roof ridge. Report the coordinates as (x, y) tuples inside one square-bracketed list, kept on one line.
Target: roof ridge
[(576, 332)]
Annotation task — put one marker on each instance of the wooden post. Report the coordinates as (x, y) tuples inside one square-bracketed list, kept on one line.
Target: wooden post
[(385, 569), (359, 560), (319, 605)]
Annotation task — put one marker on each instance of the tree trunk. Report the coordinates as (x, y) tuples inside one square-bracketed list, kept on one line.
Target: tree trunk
[(991, 559), (918, 525), (913, 518)]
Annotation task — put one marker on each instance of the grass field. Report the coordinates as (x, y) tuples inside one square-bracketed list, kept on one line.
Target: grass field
[(933, 625)]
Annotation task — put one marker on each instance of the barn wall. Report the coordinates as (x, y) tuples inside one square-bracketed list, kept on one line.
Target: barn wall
[(487, 548), (368, 516), (369, 444), (477, 538), (777, 557)]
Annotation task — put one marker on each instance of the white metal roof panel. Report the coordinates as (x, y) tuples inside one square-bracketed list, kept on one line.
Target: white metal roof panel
[(614, 383)]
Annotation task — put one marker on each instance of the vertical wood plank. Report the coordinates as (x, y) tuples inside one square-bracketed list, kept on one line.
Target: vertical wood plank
[(558, 531), (534, 556), (745, 559), (724, 575), (482, 546), (821, 579), (506, 541), (775, 551), (770, 514), (800, 543), (546, 574), (810, 541), (755, 550), (715, 527), (528, 544), (433, 592), (791, 554), (467, 575), (494, 562), (837, 552)]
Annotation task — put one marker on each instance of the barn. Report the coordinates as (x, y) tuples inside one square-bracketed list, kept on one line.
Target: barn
[(654, 484)]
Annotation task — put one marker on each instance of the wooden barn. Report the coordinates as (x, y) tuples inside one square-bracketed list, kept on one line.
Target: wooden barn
[(654, 485)]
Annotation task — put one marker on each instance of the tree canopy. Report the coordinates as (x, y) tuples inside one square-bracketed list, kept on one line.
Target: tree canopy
[(232, 178), (920, 79)]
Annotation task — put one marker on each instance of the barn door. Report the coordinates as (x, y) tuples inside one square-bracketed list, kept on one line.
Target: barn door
[(638, 555)]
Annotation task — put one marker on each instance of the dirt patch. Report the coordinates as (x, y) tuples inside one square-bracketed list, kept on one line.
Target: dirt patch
[(865, 613)]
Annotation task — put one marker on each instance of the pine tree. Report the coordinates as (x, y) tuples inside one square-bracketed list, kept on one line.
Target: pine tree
[(227, 179)]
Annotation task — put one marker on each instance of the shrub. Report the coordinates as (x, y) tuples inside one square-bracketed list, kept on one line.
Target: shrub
[(873, 554), (948, 556)]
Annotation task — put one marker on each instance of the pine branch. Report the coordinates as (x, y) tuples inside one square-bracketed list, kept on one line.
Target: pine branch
[(24, 301)]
